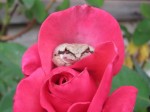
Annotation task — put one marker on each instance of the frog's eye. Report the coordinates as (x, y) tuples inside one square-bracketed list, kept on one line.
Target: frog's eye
[(87, 50), (91, 51), (60, 52), (66, 51)]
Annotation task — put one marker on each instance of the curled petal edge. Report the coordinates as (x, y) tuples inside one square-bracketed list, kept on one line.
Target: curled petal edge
[(27, 96), (30, 60), (122, 100), (79, 107), (97, 62)]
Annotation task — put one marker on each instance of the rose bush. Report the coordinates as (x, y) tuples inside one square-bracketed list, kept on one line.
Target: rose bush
[(85, 85)]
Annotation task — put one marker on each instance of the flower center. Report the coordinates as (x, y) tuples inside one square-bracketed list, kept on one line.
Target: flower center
[(61, 78)]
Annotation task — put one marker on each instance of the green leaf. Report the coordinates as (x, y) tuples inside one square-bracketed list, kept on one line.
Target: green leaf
[(10, 3), (7, 101), (147, 65), (130, 77), (28, 3), (145, 10), (141, 72), (96, 3), (13, 52), (10, 71), (127, 34), (64, 5), (142, 33), (39, 11), (1, 5), (29, 14)]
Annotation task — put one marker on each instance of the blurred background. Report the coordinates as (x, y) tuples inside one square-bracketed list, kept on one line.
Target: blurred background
[(20, 21)]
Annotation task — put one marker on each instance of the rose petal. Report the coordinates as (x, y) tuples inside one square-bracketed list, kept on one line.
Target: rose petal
[(27, 96), (52, 103), (79, 107), (30, 60), (102, 91), (45, 100), (97, 62), (122, 100), (61, 97), (79, 24), (81, 83)]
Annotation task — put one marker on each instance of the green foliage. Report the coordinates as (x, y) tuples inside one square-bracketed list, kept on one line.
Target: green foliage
[(7, 101), (96, 3), (145, 10), (142, 33), (10, 71), (10, 3), (39, 11), (29, 14), (28, 3), (130, 77), (127, 34), (1, 5), (139, 79), (32, 9), (64, 5), (141, 72), (147, 65), (36, 10)]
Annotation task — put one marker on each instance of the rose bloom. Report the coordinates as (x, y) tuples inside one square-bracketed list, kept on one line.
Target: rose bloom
[(85, 85)]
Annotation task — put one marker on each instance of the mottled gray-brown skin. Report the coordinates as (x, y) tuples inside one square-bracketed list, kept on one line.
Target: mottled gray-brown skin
[(67, 54)]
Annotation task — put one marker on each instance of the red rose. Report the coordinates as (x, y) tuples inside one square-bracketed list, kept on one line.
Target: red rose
[(85, 85)]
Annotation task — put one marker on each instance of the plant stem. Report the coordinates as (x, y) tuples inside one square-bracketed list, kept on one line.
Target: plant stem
[(143, 64), (6, 20), (50, 4), (13, 10), (28, 27)]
